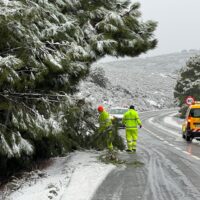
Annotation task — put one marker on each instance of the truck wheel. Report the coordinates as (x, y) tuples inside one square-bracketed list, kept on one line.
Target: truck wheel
[(188, 138)]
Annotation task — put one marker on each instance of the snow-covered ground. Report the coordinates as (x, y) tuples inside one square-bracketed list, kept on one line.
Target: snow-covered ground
[(74, 177), (147, 83)]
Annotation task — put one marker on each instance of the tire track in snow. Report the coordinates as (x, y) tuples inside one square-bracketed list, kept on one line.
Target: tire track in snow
[(165, 180)]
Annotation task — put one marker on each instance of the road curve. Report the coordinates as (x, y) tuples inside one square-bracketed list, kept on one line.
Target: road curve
[(165, 166)]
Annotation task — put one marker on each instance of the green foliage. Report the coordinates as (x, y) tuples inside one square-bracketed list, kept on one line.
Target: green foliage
[(182, 111), (188, 83), (99, 140), (79, 123), (98, 77), (111, 158), (12, 165), (46, 49)]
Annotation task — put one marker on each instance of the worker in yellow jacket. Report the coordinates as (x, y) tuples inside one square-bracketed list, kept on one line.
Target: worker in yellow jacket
[(131, 121), (105, 126)]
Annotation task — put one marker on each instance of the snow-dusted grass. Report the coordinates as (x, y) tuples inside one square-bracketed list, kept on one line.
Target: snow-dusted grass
[(74, 177)]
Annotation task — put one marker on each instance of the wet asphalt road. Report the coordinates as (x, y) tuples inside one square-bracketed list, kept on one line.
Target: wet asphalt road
[(165, 166)]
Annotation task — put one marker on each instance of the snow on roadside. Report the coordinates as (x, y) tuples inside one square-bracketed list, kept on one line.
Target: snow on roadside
[(76, 176), (173, 121), (151, 102), (152, 121)]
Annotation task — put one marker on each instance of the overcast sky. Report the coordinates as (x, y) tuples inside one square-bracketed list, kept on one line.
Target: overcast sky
[(178, 24)]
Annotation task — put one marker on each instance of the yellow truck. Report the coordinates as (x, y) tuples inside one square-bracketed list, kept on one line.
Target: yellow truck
[(191, 124)]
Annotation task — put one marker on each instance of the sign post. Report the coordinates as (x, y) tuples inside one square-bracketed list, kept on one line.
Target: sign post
[(189, 100)]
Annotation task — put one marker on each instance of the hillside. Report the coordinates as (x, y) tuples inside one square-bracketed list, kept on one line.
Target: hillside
[(147, 83)]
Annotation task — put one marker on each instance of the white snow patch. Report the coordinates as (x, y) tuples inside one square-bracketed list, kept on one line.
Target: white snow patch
[(171, 120), (151, 121), (153, 103), (5, 2), (76, 176), (5, 146), (86, 178), (163, 75)]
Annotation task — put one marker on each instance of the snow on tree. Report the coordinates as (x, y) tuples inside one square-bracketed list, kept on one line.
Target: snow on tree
[(188, 83), (46, 48)]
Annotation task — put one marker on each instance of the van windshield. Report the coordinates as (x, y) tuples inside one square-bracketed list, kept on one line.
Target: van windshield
[(195, 112)]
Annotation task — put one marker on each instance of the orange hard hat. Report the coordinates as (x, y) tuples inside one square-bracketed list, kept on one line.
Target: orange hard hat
[(100, 108)]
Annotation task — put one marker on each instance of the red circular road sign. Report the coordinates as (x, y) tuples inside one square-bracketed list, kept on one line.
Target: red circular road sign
[(189, 100)]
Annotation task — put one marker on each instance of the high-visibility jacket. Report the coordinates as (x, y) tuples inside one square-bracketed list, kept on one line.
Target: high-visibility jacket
[(104, 121), (131, 119)]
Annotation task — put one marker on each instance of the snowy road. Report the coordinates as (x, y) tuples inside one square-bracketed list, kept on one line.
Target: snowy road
[(165, 166)]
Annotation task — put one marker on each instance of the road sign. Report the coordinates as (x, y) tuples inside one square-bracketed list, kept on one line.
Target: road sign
[(189, 100)]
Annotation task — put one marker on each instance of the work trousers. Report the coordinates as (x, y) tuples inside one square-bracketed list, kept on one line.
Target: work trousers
[(107, 136), (131, 137), (109, 140)]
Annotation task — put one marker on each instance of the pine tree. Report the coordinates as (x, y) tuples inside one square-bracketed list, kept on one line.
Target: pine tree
[(188, 83), (46, 48)]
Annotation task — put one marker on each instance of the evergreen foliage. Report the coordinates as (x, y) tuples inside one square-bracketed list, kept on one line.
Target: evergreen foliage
[(46, 48), (188, 83), (97, 76), (99, 140)]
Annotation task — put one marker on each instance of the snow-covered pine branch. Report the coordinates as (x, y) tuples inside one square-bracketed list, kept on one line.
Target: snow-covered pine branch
[(47, 48)]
